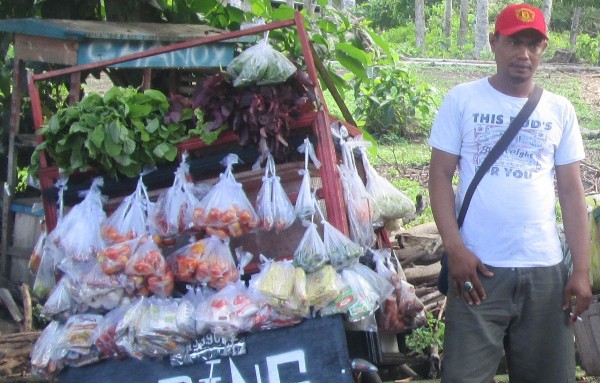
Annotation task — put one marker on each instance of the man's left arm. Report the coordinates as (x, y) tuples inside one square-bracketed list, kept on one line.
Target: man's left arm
[(575, 221)]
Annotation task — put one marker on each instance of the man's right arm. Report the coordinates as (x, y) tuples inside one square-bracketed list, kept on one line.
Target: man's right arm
[(462, 262)]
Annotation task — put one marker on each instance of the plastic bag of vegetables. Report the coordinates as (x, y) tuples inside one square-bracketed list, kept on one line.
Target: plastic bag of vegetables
[(260, 64)]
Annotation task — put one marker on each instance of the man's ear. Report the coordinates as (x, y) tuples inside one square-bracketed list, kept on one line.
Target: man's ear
[(493, 38)]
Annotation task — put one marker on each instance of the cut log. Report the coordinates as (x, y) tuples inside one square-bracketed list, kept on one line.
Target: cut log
[(27, 312), (422, 274), (11, 305)]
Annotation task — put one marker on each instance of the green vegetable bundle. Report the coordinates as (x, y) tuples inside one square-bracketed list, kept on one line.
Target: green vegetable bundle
[(119, 133)]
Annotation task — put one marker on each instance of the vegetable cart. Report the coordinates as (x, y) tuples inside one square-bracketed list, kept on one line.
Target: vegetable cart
[(315, 350)]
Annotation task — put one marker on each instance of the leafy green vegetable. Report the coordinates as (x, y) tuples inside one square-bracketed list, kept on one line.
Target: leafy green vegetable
[(120, 133)]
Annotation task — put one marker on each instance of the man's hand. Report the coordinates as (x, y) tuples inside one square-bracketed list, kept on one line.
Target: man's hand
[(464, 266), (577, 296)]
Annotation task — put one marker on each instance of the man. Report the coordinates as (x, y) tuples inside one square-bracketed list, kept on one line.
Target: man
[(509, 289)]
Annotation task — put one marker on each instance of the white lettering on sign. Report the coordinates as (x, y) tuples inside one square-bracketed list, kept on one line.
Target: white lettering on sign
[(236, 376), (273, 363), (210, 378), (176, 379)]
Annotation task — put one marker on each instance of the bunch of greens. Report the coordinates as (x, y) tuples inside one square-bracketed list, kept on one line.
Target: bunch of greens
[(119, 133), (259, 114)]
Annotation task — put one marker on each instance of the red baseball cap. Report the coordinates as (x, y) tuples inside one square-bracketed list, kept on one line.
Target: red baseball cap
[(518, 17)]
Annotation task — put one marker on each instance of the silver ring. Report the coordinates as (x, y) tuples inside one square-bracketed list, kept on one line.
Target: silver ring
[(468, 286)]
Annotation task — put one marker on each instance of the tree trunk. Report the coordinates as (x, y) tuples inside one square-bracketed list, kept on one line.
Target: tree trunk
[(463, 29), (481, 28), (420, 24), (448, 23), (547, 11), (575, 28), (308, 6)]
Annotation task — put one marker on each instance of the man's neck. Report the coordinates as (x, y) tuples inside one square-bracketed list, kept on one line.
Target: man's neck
[(510, 87)]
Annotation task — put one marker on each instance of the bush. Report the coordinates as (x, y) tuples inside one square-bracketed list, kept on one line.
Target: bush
[(393, 103)]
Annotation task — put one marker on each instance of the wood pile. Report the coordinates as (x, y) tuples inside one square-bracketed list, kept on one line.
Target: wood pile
[(419, 251), (15, 347)]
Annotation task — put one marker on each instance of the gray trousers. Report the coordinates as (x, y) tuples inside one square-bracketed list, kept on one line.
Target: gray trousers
[(522, 317)]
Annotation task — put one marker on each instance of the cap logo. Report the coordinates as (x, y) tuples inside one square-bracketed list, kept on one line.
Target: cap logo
[(525, 15)]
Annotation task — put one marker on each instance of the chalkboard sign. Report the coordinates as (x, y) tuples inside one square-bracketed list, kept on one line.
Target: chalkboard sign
[(314, 351)]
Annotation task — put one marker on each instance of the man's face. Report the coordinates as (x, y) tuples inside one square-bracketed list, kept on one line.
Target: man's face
[(518, 55)]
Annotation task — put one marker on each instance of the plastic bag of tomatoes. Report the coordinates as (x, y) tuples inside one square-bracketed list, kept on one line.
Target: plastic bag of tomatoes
[(226, 211)]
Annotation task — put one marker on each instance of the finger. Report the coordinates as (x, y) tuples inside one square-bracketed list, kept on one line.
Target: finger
[(567, 303), (484, 270)]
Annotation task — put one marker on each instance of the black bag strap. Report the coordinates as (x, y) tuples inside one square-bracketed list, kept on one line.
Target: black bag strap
[(500, 147)]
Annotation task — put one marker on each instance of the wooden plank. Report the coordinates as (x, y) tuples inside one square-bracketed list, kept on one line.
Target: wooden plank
[(44, 49), (313, 351), (10, 304)]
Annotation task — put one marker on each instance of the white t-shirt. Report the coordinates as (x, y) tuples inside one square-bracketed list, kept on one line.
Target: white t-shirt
[(511, 220)]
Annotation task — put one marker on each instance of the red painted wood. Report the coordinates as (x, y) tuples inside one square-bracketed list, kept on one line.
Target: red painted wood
[(330, 177)]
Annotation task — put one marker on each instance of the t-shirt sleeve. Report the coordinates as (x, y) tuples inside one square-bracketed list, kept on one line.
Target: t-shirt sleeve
[(571, 147), (445, 132)]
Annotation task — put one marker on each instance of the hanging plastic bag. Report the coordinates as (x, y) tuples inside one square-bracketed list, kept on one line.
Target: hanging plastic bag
[(402, 310), (113, 259), (273, 206), (284, 287), (146, 260), (216, 267), (359, 203), (36, 255), (59, 306), (311, 253), (78, 233), (226, 211), (172, 213), (260, 64), (129, 220), (360, 295), (390, 202), (184, 262), (305, 204), (341, 250), (45, 279)]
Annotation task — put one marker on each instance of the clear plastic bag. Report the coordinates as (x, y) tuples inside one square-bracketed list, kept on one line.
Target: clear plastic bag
[(45, 279), (45, 353), (105, 334), (146, 260), (36, 255), (60, 305), (390, 202), (273, 206), (322, 286), (311, 253), (114, 258), (232, 310), (78, 233), (184, 261), (226, 211), (342, 251), (305, 203), (172, 213), (401, 310), (129, 220), (217, 267), (260, 64), (157, 333), (359, 203)]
